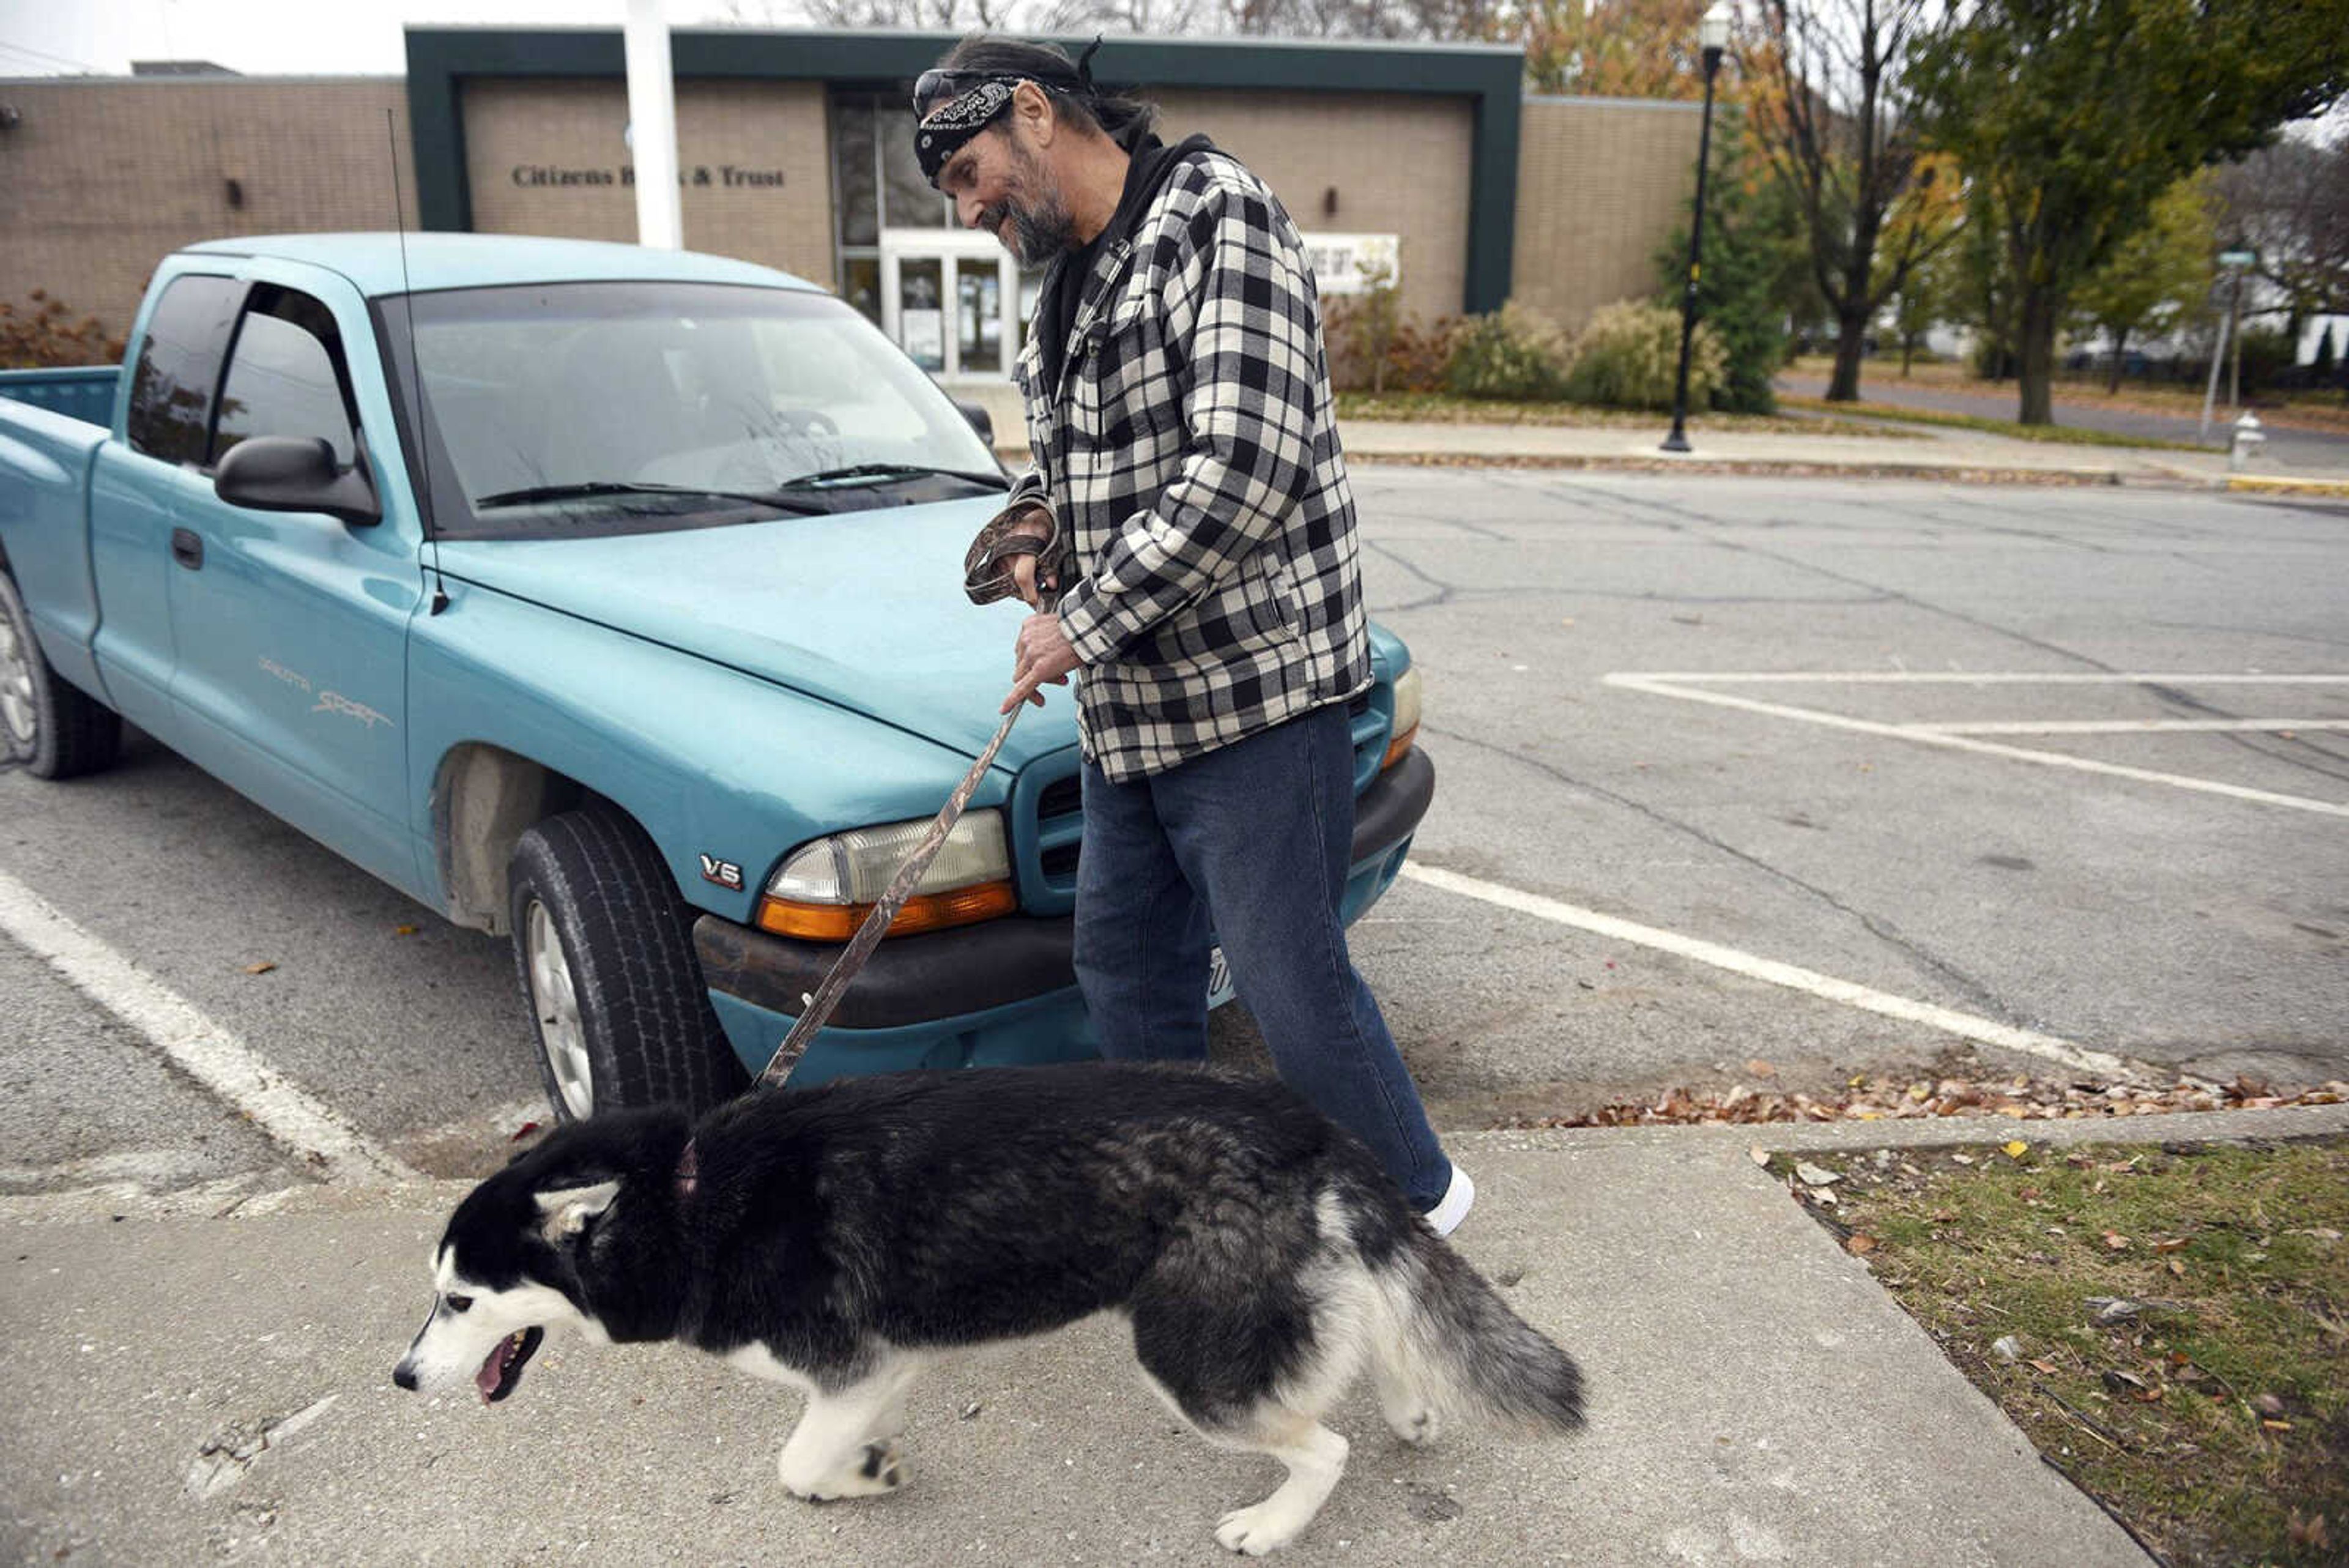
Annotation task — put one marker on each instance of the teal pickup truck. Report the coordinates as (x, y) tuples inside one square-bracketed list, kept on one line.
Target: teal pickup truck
[(605, 598)]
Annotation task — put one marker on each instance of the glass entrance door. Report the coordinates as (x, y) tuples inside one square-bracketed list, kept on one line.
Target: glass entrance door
[(978, 319), (946, 297)]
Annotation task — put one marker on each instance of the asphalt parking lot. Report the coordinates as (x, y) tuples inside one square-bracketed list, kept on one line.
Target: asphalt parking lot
[(1712, 791)]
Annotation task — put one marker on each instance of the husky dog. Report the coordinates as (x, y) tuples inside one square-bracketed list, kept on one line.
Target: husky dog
[(836, 1239)]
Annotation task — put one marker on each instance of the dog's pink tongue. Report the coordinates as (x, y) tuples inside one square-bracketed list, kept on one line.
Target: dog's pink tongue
[(486, 1379)]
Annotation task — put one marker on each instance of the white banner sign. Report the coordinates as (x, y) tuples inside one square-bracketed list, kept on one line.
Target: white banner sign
[(1338, 259)]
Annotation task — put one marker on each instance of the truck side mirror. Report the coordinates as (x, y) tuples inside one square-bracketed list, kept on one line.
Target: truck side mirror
[(294, 473), (981, 419)]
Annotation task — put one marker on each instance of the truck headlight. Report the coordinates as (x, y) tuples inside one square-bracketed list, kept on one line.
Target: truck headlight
[(1405, 729), (826, 888)]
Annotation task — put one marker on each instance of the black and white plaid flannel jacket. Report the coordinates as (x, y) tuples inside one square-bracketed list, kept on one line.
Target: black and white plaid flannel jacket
[(1191, 452)]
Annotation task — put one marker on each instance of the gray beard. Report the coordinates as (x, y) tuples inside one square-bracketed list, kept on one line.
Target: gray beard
[(1041, 232)]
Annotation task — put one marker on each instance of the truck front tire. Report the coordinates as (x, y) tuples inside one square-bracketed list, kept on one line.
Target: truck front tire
[(604, 949), (53, 727)]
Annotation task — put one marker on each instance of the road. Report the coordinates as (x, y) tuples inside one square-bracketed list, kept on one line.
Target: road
[(2286, 450), (2056, 865)]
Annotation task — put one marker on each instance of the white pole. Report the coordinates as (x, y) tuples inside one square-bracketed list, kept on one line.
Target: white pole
[(2217, 357), (652, 128)]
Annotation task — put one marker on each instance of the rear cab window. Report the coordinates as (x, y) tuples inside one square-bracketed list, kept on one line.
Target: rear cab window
[(178, 373)]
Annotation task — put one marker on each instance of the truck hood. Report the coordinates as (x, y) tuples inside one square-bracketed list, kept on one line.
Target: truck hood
[(863, 610)]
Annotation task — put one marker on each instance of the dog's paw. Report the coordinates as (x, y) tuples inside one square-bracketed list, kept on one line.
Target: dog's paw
[(881, 1468), (1416, 1428), (876, 1470), (1253, 1531)]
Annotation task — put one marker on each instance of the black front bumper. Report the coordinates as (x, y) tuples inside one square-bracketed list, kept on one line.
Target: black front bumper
[(949, 974)]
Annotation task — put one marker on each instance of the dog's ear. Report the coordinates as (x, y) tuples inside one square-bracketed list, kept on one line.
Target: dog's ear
[(565, 1212)]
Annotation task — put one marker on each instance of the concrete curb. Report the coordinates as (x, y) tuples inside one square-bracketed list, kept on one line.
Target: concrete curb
[(1777, 468), (2136, 476), (241, 1199), (2168, 1126), (2277, 484)]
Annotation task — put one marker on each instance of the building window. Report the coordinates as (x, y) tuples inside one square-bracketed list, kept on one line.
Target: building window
[(853, 170), (907, 200), (876, 183)]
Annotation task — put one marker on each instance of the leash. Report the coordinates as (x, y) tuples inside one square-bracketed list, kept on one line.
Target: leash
[(876, 924)]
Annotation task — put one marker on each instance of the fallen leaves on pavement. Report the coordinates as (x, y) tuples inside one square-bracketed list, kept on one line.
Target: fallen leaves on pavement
[(2020, 1098)]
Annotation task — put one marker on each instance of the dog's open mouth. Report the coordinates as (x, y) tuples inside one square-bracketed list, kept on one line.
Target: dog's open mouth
[(502, 1370)]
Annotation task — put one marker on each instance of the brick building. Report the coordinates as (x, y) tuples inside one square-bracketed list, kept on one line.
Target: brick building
[(795, 152)]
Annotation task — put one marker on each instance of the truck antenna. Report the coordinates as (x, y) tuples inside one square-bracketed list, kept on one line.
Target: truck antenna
[(423, 472)]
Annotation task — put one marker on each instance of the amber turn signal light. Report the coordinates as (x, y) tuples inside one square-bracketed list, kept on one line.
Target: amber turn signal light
[(923, 912)]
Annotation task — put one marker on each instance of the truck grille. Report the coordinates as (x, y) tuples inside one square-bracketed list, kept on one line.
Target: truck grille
[(1048, 812)]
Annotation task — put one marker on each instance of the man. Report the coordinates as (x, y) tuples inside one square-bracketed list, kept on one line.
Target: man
[(1189, 511)]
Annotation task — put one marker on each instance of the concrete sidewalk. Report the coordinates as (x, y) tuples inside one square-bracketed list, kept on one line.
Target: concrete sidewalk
[(1916, 452), (1913, 452), (2288, 447), (185, 1385)]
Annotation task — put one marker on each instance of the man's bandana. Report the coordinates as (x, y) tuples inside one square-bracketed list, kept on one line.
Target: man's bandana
[(945, 129)]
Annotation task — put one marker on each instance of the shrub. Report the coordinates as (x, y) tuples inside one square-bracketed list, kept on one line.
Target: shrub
[(1756, 282), (1420, 355), (1514, 352), (1375, 347), (1370, 324), (48, 336), (1628, 355)]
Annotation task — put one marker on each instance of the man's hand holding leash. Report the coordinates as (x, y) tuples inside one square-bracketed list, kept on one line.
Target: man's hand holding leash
[(1041, 655)]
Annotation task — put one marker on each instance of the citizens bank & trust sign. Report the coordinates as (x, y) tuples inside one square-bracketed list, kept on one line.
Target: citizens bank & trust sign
[(724, 177)]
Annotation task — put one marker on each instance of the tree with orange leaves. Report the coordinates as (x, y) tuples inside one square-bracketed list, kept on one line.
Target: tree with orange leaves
[(1831, 107)]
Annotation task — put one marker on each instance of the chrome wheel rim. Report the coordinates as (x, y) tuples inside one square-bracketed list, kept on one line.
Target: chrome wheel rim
[(17, 710), (557, 1004)]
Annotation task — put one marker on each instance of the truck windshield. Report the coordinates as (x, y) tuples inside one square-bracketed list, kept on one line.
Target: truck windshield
[(557, 409)]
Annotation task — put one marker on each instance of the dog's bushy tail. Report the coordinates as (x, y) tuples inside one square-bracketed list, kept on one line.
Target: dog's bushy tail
[(1452, 1340)]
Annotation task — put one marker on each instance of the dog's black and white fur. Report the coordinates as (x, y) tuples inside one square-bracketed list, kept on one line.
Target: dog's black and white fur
[(838, 1238)]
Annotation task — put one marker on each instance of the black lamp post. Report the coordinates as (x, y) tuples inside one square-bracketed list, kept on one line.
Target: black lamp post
[(1713, 33)]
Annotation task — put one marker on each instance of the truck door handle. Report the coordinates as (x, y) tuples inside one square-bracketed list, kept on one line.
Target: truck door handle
[(188, 549)]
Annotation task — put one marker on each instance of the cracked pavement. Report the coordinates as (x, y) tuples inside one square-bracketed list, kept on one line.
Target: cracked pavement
[(2144, 919), (2191, 930)]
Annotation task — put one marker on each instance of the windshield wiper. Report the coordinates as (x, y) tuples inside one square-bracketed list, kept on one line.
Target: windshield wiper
[(587, 489), (881, 472)]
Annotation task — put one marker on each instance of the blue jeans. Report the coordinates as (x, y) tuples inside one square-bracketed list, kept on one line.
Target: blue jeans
[(1248, 845)]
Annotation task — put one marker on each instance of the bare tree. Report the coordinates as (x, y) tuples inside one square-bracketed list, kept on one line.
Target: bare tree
[(1445, 20), (1830, 110), (2291, 202)]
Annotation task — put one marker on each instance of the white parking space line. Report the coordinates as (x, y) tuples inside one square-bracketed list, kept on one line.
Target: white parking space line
[(1973, 678), (323, 1141), (1965, 1025), (1679, 685), (2130, 726)]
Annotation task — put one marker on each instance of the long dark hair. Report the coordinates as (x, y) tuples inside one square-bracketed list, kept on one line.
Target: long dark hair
[(1069, 85)]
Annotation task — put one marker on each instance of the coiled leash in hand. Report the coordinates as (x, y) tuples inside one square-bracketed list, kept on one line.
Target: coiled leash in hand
[(876, 924)]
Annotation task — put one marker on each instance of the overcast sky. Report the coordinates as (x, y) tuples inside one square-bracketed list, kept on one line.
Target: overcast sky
[(287, 37), (351, 37)]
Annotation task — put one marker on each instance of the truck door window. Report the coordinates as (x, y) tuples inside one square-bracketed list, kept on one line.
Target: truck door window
[(286, 375), (178, 367)]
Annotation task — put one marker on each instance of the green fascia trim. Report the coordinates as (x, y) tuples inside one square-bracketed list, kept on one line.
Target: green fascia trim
[(439, 59)]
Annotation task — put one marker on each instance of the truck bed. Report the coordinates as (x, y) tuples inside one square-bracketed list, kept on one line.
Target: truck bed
[(46, 454), (85, 393)]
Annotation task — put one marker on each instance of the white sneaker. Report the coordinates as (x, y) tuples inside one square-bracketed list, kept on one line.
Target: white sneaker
[(1458, 1199)]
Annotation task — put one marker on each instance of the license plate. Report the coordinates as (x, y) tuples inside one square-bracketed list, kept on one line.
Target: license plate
[(1219, 979)]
